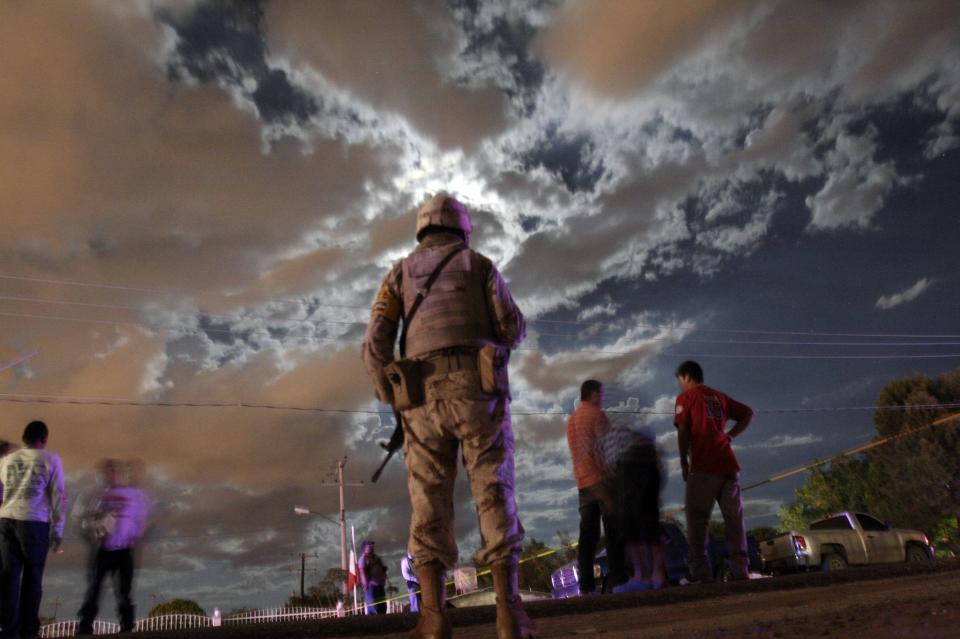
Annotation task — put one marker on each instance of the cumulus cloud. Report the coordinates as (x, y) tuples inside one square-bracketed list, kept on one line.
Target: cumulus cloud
[(856, 187), (886, 302), (240, 177), (785, 441)]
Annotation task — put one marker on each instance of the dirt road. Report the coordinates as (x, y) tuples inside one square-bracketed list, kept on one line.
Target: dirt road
[(902, 601)]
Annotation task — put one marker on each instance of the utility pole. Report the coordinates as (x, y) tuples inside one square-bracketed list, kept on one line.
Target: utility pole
[(341, 484), (303, 569)]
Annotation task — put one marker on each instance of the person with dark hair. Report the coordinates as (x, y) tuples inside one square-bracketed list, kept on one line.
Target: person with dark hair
[(710, 468), (631, 462), (114, 525), (413, 586), (31, 524), (373, 578), (585, 427)]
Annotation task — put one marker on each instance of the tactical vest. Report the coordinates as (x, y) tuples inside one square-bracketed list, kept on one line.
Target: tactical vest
[(455, 312)]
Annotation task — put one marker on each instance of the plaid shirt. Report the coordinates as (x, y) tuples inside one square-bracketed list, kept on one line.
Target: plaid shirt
[(623, 442), (585, 427)]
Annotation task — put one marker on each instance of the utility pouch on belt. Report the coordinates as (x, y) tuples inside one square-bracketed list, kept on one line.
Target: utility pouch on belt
[(493, 363), (406, 379), (406, 375)]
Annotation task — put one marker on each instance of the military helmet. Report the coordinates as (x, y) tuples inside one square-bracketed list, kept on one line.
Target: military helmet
[(443, 210)]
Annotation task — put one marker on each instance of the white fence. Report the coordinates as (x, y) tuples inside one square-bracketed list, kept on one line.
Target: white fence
[(280, 614), (182, 622), (173, 622), (69, 628)]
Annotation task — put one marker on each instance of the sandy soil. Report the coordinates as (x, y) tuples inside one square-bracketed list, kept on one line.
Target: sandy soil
[(925, 607), (901, 601)]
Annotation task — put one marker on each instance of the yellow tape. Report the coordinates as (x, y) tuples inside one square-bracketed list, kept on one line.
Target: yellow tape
[(773, 478)]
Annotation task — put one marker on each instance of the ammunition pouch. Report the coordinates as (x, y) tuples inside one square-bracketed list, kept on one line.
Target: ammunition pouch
[(493, 364), (406, 381)]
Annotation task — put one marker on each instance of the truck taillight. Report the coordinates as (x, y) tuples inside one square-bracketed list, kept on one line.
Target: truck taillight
[(800, 543)]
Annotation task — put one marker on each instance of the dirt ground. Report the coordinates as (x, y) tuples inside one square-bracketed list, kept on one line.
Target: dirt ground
[(925, 607), (903, 601)]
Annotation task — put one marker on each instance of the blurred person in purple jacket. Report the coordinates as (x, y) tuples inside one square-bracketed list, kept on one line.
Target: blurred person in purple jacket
[(115, 522)]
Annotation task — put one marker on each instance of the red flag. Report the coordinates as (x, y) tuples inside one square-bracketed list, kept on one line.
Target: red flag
[(352, 578)]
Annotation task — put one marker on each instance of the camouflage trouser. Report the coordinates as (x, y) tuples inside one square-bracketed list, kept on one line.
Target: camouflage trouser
[(457, 415)]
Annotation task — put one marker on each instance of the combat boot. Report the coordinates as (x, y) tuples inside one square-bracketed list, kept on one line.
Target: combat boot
[(512, 620), (433, 623)]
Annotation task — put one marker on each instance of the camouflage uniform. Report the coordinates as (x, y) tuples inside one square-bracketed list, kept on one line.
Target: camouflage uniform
[(469, 306)]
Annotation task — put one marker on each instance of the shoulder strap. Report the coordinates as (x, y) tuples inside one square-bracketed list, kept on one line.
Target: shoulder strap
[(421, 294)]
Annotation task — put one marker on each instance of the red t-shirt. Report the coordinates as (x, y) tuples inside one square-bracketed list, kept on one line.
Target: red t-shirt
[(706, 412)]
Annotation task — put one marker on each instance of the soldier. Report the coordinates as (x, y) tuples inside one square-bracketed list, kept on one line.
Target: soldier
[(459, 322)]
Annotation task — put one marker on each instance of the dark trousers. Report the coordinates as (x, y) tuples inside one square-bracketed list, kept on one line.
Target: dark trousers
[(596, 507), (703, 489), (375, 596), (23, 548), (413, 592), (117, 564)]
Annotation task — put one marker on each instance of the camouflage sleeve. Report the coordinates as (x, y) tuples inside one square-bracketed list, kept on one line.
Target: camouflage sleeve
[(381, 335), (508, 323)]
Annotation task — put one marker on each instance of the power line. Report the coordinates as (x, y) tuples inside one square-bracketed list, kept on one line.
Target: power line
[(305, 320), (25, 398), (41, 280), (17, 362), (198, 329), (308, 320), (537, 320), (201, 312)]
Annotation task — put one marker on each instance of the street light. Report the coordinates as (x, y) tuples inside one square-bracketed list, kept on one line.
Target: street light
[(303, 510)]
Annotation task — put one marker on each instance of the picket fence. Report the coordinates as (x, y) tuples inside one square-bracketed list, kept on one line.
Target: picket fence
[(184, 622)]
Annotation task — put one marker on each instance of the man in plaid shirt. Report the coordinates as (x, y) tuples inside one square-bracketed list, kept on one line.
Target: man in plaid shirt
[(585, 427)]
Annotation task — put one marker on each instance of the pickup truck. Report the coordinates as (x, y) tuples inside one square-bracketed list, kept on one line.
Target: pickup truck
[(843, 539)]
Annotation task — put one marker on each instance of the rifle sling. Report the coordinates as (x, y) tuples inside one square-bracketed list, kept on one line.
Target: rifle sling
[(421, 294)]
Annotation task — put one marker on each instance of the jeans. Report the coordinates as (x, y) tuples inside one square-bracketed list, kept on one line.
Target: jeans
[(117, 564), (23, 548), (596, 506), (703, 489), (412, 588), (375, 597)]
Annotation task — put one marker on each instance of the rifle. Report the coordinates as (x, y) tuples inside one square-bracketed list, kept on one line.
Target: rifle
[(396, 439), (392, 446)]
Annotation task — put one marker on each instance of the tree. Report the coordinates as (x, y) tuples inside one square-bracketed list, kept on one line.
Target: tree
[(323, 594), (536, 572), (177, 607), (913, 482), (843, 486)]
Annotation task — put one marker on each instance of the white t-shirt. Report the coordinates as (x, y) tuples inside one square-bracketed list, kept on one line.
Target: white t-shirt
[(33, 488)]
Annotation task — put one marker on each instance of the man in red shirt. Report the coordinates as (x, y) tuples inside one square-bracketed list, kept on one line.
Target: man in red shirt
[(586, 425), (710, 469)]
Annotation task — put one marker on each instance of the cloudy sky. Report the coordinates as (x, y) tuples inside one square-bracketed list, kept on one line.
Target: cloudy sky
[(200, 198)]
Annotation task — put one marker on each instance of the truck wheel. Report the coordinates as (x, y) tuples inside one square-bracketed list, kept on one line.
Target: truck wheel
[(916, 553), (833, 562)]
